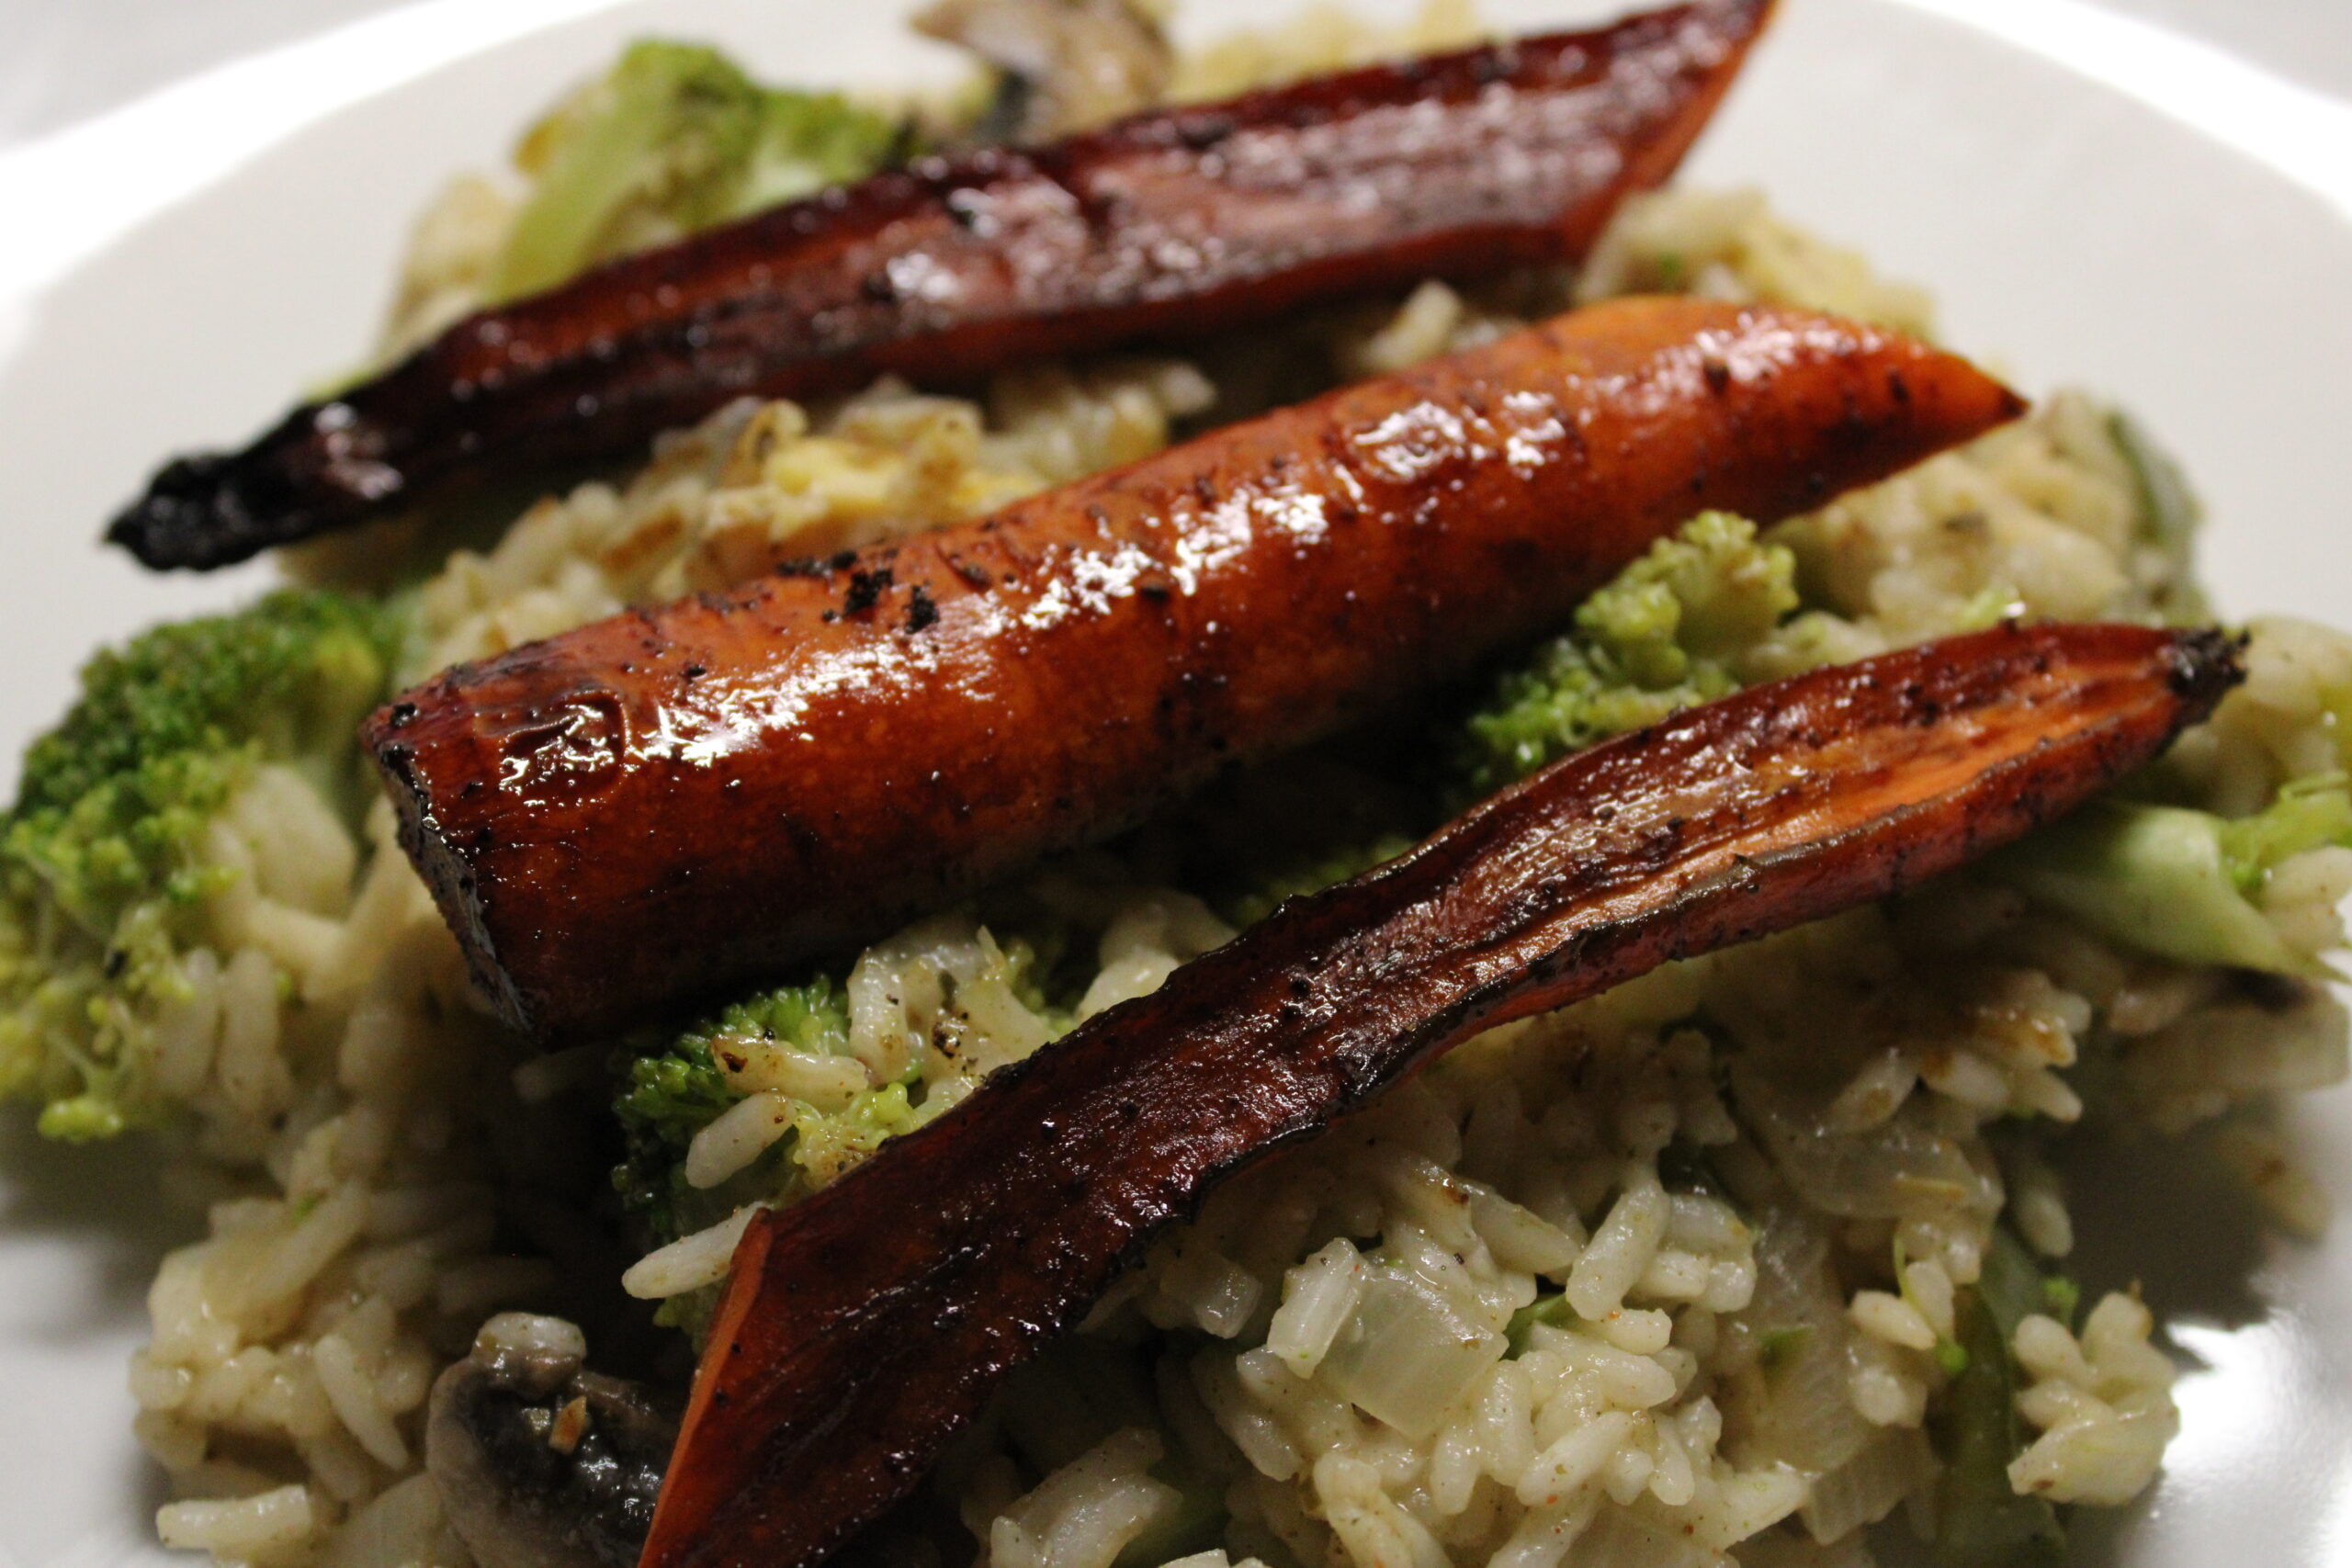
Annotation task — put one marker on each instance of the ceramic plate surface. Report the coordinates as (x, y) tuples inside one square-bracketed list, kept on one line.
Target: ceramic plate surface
[(2093, 202)]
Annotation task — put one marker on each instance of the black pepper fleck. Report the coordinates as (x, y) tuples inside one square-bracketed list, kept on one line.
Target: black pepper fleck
[(921, 611), (864, 588)]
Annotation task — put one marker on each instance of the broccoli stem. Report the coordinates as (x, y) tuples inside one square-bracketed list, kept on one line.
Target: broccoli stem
[(675, 138), (1981, 1520), (2173, 882), (595, 171)]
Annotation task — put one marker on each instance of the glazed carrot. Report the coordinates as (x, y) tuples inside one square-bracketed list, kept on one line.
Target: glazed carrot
[(861, 1327), (1171, 223), (675, 800)]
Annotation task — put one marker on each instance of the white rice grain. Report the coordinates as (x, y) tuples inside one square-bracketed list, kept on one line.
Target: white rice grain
[(1621, 1378), (1506, 1429), (1887, 1398), (339, 1465), (1673, 1275), (827, 1082), (352, 1394), (690, 1262), (1256, 1433), (1084, 1514), (187, 1026), (1545, 1535), (1575, 1461), (737, 1136), (1893, 1319), (1520, 1238), (403, 1527), (1929, 1289), (1673, 1482), (1640, 1332), (248, 1529), (316, 1240), (252, 1073), (1622, 1248), (2103, 1461), (1319, 1297), (1374, 1530)]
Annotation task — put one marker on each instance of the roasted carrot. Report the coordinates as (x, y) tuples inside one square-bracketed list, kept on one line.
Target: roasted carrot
[(1169, 224), (677, 799), (863, 1327)]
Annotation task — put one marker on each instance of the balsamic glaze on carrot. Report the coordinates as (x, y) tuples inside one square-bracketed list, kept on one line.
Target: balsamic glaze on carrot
[(676, 800), (1171, 223), (861, 1327)]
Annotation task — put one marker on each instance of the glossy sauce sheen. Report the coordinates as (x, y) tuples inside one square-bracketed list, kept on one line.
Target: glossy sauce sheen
[(1171, 223), (861, 1327), (672, 800)]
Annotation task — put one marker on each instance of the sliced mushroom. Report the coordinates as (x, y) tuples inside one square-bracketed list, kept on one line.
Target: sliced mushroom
[(1062, 65), (540, 1462)]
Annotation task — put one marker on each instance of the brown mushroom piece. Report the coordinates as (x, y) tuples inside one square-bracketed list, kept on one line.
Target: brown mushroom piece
[(1062, 66), (540, 1462)]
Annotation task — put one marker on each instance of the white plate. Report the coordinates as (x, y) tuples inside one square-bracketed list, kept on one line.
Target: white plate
[(2158, 222)]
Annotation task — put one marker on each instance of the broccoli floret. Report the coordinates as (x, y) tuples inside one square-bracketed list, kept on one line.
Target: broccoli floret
[(669, 1093), (103, 874), (669, 1090), (666, 1097), (1667, 634), (2180, 882), (809, 140), (674, 138)]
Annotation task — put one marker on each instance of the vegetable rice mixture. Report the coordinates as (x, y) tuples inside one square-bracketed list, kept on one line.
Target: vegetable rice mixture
[(1728, 1265)]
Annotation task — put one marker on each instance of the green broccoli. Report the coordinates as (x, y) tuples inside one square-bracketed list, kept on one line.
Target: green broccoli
[(1549, 1309), (674, 138), (1981, 1521), (669, 1090), (103, 874), (2307, 813), (669, 1094), (2180, 882), (666, 1097), (1667, 633)]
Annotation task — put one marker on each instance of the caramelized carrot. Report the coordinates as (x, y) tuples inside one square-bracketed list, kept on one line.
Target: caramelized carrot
[(863, 1327), (1173, 224), (663, 804)]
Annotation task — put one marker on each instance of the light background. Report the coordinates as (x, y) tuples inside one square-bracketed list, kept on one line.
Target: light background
[(60, 59)]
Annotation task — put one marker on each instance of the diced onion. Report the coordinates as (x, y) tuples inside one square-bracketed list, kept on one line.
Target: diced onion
[(1407, 1355)]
